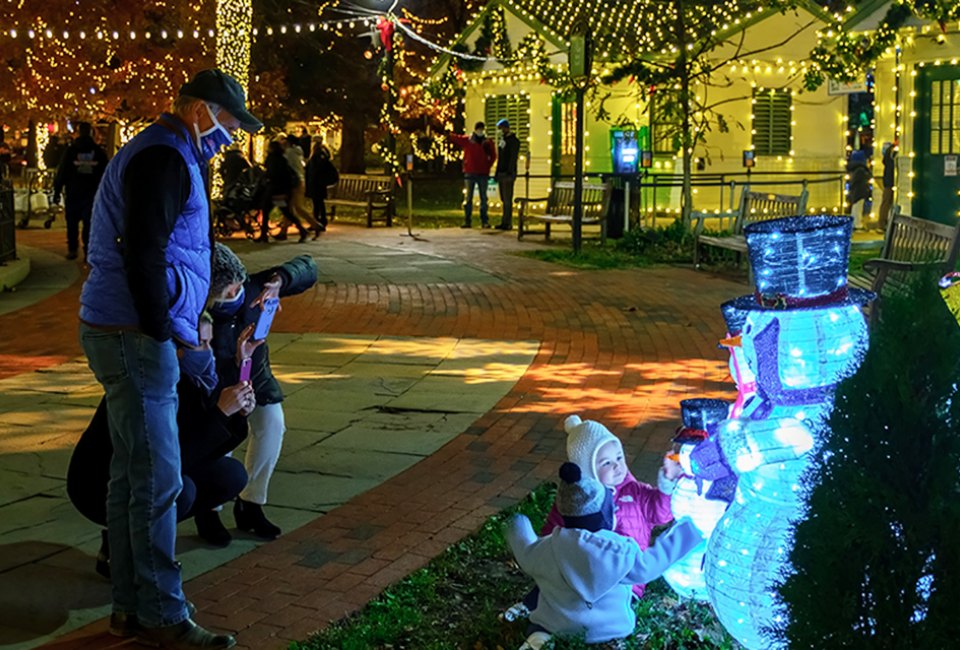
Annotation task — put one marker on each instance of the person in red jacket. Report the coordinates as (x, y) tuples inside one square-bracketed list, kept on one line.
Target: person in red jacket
[(479, 154)]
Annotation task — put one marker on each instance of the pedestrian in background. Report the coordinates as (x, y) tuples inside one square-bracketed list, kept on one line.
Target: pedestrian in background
[(479, 154), (508, 153), (886, 201), (321, 174), (298, 201), (80, 171), (859, 186)]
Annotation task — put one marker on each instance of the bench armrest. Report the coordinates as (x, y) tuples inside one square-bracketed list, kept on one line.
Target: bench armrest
[(530, 199), (879, 264), (699, 219)]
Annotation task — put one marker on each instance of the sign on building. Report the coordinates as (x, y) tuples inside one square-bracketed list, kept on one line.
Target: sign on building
[(835, 87)]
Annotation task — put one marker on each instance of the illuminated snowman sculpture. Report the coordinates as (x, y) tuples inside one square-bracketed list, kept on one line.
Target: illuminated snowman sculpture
[(804, 333), (690, 497)]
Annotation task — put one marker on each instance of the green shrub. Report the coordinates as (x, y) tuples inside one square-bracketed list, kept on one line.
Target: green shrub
[(673, 243), (876, 561)]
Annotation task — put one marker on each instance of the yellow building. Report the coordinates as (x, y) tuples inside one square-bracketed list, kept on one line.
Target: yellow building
[(918, 105), (793, 133)]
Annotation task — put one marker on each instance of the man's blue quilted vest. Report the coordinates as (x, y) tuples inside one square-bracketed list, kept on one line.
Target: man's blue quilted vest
[(106, 299)]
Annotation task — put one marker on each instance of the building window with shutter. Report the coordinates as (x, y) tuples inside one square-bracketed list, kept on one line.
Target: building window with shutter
[(666, 122), (772, 122), (513, 108), (568, 120)]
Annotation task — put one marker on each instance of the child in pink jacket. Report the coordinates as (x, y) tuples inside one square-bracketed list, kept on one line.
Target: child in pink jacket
[(639, 506)]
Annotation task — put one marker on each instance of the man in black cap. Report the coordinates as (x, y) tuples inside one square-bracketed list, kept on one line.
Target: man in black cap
[(149, 256)]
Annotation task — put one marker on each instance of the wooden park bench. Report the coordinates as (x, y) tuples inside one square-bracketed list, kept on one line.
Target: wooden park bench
[(374, 193), (596, 204), (910, 246), (754, 207)]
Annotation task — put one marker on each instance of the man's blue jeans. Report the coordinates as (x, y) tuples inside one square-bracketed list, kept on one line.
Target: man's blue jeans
[(482, 183), (139, 376)]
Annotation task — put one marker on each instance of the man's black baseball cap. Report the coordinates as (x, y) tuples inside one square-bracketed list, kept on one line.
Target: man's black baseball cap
[(223, 90)]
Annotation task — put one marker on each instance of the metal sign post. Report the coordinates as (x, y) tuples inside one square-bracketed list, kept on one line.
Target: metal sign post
[(580, 68)]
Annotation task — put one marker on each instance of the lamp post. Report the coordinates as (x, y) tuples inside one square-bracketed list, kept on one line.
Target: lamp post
[(580, 64)]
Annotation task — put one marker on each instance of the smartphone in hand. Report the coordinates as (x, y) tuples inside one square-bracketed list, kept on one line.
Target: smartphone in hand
[(267, 312), (245, 369)]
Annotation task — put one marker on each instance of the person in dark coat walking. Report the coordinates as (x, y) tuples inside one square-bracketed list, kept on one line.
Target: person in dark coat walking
[(80, 172), (321, 174), (237, 305), (859, 189), (889, 167), (508, 153), (280, 181), (233, 166), (53, 152)]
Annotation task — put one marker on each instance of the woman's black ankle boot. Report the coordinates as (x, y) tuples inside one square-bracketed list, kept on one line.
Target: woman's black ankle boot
[(250, 518)]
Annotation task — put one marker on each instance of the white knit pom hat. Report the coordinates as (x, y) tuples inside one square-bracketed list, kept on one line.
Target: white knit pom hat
[(584, 439)]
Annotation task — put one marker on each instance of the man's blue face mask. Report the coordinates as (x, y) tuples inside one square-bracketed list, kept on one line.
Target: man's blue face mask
[(213, 139)]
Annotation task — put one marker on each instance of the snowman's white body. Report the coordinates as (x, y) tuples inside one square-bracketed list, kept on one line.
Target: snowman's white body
[(686, 576), (769, 450)]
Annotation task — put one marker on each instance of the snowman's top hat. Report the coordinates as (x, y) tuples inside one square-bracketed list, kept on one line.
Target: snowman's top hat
[(735, 313), (698, 416), (801, 262)]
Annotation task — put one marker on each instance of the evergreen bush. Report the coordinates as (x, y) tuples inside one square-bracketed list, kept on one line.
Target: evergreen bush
[(876, 561)]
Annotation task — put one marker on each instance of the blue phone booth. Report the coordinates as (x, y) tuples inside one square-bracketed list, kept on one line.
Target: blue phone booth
[(624, 149)]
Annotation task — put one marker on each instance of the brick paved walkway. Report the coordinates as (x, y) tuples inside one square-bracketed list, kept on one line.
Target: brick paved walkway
[(621, 346)]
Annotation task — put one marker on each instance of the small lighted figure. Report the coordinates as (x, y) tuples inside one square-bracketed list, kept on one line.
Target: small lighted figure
[(950, 290), (695, 497)]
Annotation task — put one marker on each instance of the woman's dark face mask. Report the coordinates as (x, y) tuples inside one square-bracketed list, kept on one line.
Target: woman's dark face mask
[(229, 307)]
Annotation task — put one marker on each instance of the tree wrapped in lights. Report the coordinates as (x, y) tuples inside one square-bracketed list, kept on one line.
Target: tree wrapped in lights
[(102, 59), (845, 56), (876, 560)]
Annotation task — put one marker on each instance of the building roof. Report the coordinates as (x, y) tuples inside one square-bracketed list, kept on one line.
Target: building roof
[(626, 29)]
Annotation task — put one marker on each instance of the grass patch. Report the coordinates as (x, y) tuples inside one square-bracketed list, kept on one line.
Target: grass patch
[(592, 256), (860, 255), (454, 601)]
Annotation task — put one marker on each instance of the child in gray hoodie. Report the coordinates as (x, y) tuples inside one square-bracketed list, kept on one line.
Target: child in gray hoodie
[(585, 572)]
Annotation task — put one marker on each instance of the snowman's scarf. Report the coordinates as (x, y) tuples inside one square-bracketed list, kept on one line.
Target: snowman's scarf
[(769, 387), (746, 390)]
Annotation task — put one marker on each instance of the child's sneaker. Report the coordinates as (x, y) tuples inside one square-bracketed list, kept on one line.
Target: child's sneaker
[(535, 641), (515, 613)]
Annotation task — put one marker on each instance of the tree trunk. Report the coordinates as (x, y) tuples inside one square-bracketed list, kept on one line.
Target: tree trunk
[(352, 146), (686, 199), (686, 138)]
